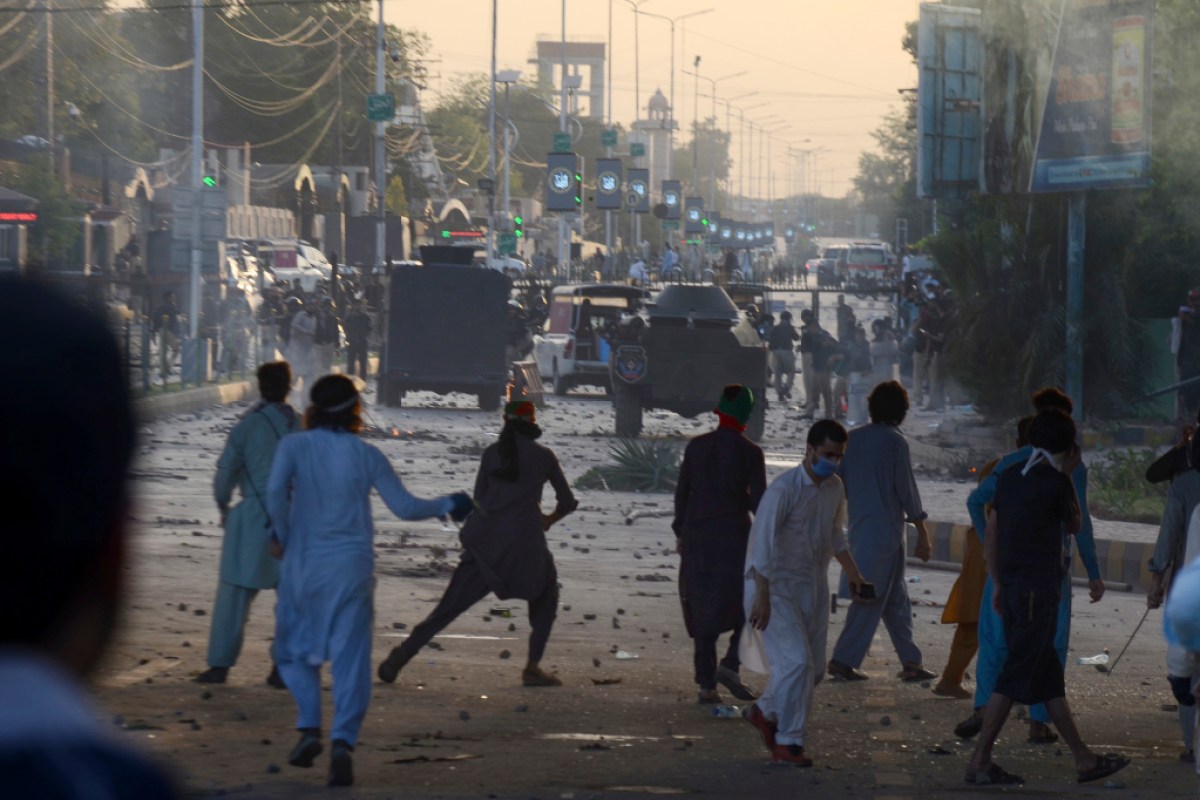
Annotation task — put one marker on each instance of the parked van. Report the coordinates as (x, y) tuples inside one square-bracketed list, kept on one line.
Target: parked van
[(292, 259)]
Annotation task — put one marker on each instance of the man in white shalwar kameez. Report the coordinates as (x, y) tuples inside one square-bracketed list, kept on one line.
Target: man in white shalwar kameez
[(798, 528)]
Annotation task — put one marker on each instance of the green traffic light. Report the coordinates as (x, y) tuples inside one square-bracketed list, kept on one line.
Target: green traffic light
[(518, 220), (704, 222), (520, 234), (209, 181), (445, 234)]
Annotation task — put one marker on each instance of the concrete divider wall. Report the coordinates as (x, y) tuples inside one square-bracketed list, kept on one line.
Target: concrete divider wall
[(1120, 562)]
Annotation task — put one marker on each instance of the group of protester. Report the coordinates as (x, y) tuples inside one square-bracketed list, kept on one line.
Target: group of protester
[(755, 561), (754, 557)]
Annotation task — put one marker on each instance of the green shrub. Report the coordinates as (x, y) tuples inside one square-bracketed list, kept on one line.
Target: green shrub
[(639, 465), (1118, 489)]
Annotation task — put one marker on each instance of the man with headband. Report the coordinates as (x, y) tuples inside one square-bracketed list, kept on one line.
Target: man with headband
[(504, 544), (318, 496), (721, 481)]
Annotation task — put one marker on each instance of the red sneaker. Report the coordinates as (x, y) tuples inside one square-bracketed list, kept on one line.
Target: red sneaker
[(790, 754), (765, 727)]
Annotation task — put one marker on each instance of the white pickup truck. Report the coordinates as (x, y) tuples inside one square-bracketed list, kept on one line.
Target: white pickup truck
[(574, 350)]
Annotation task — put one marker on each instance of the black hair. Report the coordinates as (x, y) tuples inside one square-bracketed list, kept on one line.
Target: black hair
[(888, 403), (827, 430), (1049, 397), (1023, 430), (334, 391), (66, 442), (274, 381), (1052, 431)]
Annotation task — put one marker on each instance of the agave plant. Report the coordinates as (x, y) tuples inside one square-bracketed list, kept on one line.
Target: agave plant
[(638, 465)]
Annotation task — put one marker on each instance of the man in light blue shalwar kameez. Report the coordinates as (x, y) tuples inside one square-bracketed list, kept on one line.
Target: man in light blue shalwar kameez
[(246, 563), (319, 496), (992, 646)]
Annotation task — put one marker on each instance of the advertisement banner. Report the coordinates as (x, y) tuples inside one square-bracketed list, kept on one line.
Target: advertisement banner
[(671, 198), (639, 185), (608, 184), (1095, 131), (693, 216), (561, 169)]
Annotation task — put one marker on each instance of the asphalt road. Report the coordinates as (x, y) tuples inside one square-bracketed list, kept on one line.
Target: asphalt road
[(619, 727)]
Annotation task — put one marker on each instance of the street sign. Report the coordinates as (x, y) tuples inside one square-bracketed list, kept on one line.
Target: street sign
[(506, 243), (637, 149), (486, 185), (670, 225), (562, 142), (694, 219), (380, 107), (608, 137)]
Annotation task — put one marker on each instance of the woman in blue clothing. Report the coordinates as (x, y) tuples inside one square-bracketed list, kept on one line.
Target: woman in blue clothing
[(319, 501)]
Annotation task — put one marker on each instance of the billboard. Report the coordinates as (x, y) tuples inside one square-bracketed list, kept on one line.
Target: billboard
[(639, 187), (949, 93), (561, 169), (608, 184), (1095, 128)]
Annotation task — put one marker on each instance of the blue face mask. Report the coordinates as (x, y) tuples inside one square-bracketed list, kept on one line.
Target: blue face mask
[(824, 468)]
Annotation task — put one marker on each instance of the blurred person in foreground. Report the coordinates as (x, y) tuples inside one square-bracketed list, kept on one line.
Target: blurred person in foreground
[(246, 563), (1181, 622), (1032, 507), (798, 527), (721, 481), (504, 544), (1177, 545), (319, 499), (62, 578)]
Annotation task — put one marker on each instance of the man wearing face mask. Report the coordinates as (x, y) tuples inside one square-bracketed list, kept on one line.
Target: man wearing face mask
[(882, 494), (721, 480), (798, 527), (1033, 505)]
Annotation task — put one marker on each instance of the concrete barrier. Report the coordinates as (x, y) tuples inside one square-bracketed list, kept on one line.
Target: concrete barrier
[(187, 400), (1120, 562)]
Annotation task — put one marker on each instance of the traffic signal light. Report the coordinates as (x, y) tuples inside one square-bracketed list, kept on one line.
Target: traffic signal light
[(445, 233), (209, 181), (519, 226), (578, 189)]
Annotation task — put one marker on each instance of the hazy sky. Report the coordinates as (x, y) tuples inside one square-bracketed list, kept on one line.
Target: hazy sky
[(825, 72)]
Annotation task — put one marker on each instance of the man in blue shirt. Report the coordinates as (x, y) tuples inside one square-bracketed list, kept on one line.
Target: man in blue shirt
[(992, 646)]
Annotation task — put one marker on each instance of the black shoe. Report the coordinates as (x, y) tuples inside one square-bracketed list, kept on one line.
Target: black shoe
[(733, 682), (969, 727), (212, 675), (274, 680), (390, 667), (308, 748), (845, 672), (341, 764)]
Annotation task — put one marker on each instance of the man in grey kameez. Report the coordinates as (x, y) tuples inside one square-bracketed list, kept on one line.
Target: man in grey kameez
[(246, 562), (881, 493)]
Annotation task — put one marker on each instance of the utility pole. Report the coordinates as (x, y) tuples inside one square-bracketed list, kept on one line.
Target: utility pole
[(491, 192), (696, 128), (563, 250), (50, 149), (608, 263), (197, 171), (380, 159)]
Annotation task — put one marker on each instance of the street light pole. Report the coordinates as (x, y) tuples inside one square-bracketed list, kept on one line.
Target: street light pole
[(491, 192), (563, 271), (197, 170), (380, 159), (696, 129)]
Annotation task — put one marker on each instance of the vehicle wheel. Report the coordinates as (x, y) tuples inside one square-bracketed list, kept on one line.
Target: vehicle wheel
[(627, 407), (489, 399), (557, 383), (757, 424)]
